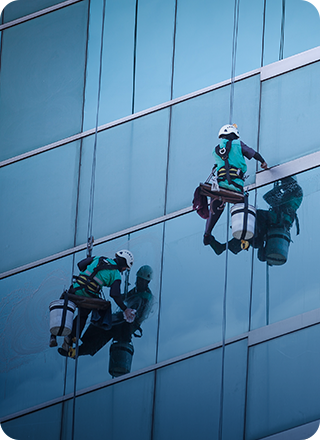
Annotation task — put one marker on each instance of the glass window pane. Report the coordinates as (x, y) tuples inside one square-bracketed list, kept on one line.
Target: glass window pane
[(235, 370), (130, 175), (192, 386), (154, 53), (286, 272), (41, 88), (289, 103), (192, 288), (31, 372), (39, 194), (33, 426), (249, 40), (304, 17), (117, 62), (199, 50), (272, 31), (283, 379), (126, 411), (17, 9), (194, 134)]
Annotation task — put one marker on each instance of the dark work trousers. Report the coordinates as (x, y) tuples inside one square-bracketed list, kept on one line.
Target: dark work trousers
[(216, 209), (83, 314)]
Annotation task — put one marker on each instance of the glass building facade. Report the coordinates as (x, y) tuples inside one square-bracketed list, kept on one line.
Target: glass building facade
[(109, 112)]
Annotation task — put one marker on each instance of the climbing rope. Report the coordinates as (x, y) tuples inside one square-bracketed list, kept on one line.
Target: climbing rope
[(234, 55), (94, 157), (90, 216), (283, 17)]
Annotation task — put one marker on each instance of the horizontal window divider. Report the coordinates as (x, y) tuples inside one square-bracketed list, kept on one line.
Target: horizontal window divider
[(254, 337), (123, 120), (281, 328), (36, 14), (293, 167), (266, 72), (101, 240), (125, 377), (263, 178), (291, 63)]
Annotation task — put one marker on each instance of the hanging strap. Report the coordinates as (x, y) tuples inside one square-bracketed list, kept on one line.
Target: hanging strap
[(64, 313), (245, 217)]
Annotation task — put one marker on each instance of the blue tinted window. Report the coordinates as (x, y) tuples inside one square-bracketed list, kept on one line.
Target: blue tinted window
[(302, 30), (154, 53), (117, 61), (285, 269), (192, 289), (119, 412), (192, 386), (202, 57), (41, 89), (31, 425), (130, 175), (31, 372), (289, 103), (17, 9), (283, 380), (39, 194)]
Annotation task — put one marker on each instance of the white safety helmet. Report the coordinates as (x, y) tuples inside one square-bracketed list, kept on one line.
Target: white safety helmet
[(127, 255), (228, 129)]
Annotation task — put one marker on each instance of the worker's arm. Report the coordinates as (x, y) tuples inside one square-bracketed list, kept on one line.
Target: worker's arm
[(250, 153), (115, 293), (257, 156)]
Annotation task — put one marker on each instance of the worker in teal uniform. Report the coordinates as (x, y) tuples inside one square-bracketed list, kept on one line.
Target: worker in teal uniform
[(231, 166), (139, 298), (95, 273)]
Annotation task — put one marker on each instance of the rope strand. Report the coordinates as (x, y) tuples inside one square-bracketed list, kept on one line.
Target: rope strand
[(94, 158)]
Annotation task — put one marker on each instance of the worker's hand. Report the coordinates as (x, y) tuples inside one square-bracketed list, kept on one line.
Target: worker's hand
[(264, 165), (129, 315)]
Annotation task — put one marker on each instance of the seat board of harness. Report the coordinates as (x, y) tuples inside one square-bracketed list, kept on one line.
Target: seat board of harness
[(88, 303), (224, 194)]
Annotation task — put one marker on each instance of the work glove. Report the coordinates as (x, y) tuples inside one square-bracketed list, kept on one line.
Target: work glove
[(129, 315)]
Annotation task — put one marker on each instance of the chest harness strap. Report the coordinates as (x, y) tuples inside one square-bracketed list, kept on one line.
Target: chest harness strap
[(88, 281), (228, 172)]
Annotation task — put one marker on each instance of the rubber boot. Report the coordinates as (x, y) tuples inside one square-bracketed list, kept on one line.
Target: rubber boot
[(217, 246), (53, 341), (234, 246)]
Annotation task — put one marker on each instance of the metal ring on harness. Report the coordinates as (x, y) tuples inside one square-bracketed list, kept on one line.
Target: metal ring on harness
[(222, 151)]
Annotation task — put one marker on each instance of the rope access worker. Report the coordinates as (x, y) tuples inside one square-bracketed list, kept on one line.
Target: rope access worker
[(231, 166), (95, 273), (139, 298)]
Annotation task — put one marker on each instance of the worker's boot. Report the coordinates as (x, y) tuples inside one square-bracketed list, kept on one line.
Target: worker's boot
[(217, 246), (66, 343), (53, 341), (234, 246)]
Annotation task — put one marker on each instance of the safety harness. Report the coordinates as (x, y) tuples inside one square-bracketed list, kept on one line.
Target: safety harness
[(88, 281), (228, 172)]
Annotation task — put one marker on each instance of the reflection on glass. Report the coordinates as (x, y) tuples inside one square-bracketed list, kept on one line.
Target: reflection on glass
[(283, 379), (97, 335), (85, 293), (272, 237), (271, 228), (119, 321)]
